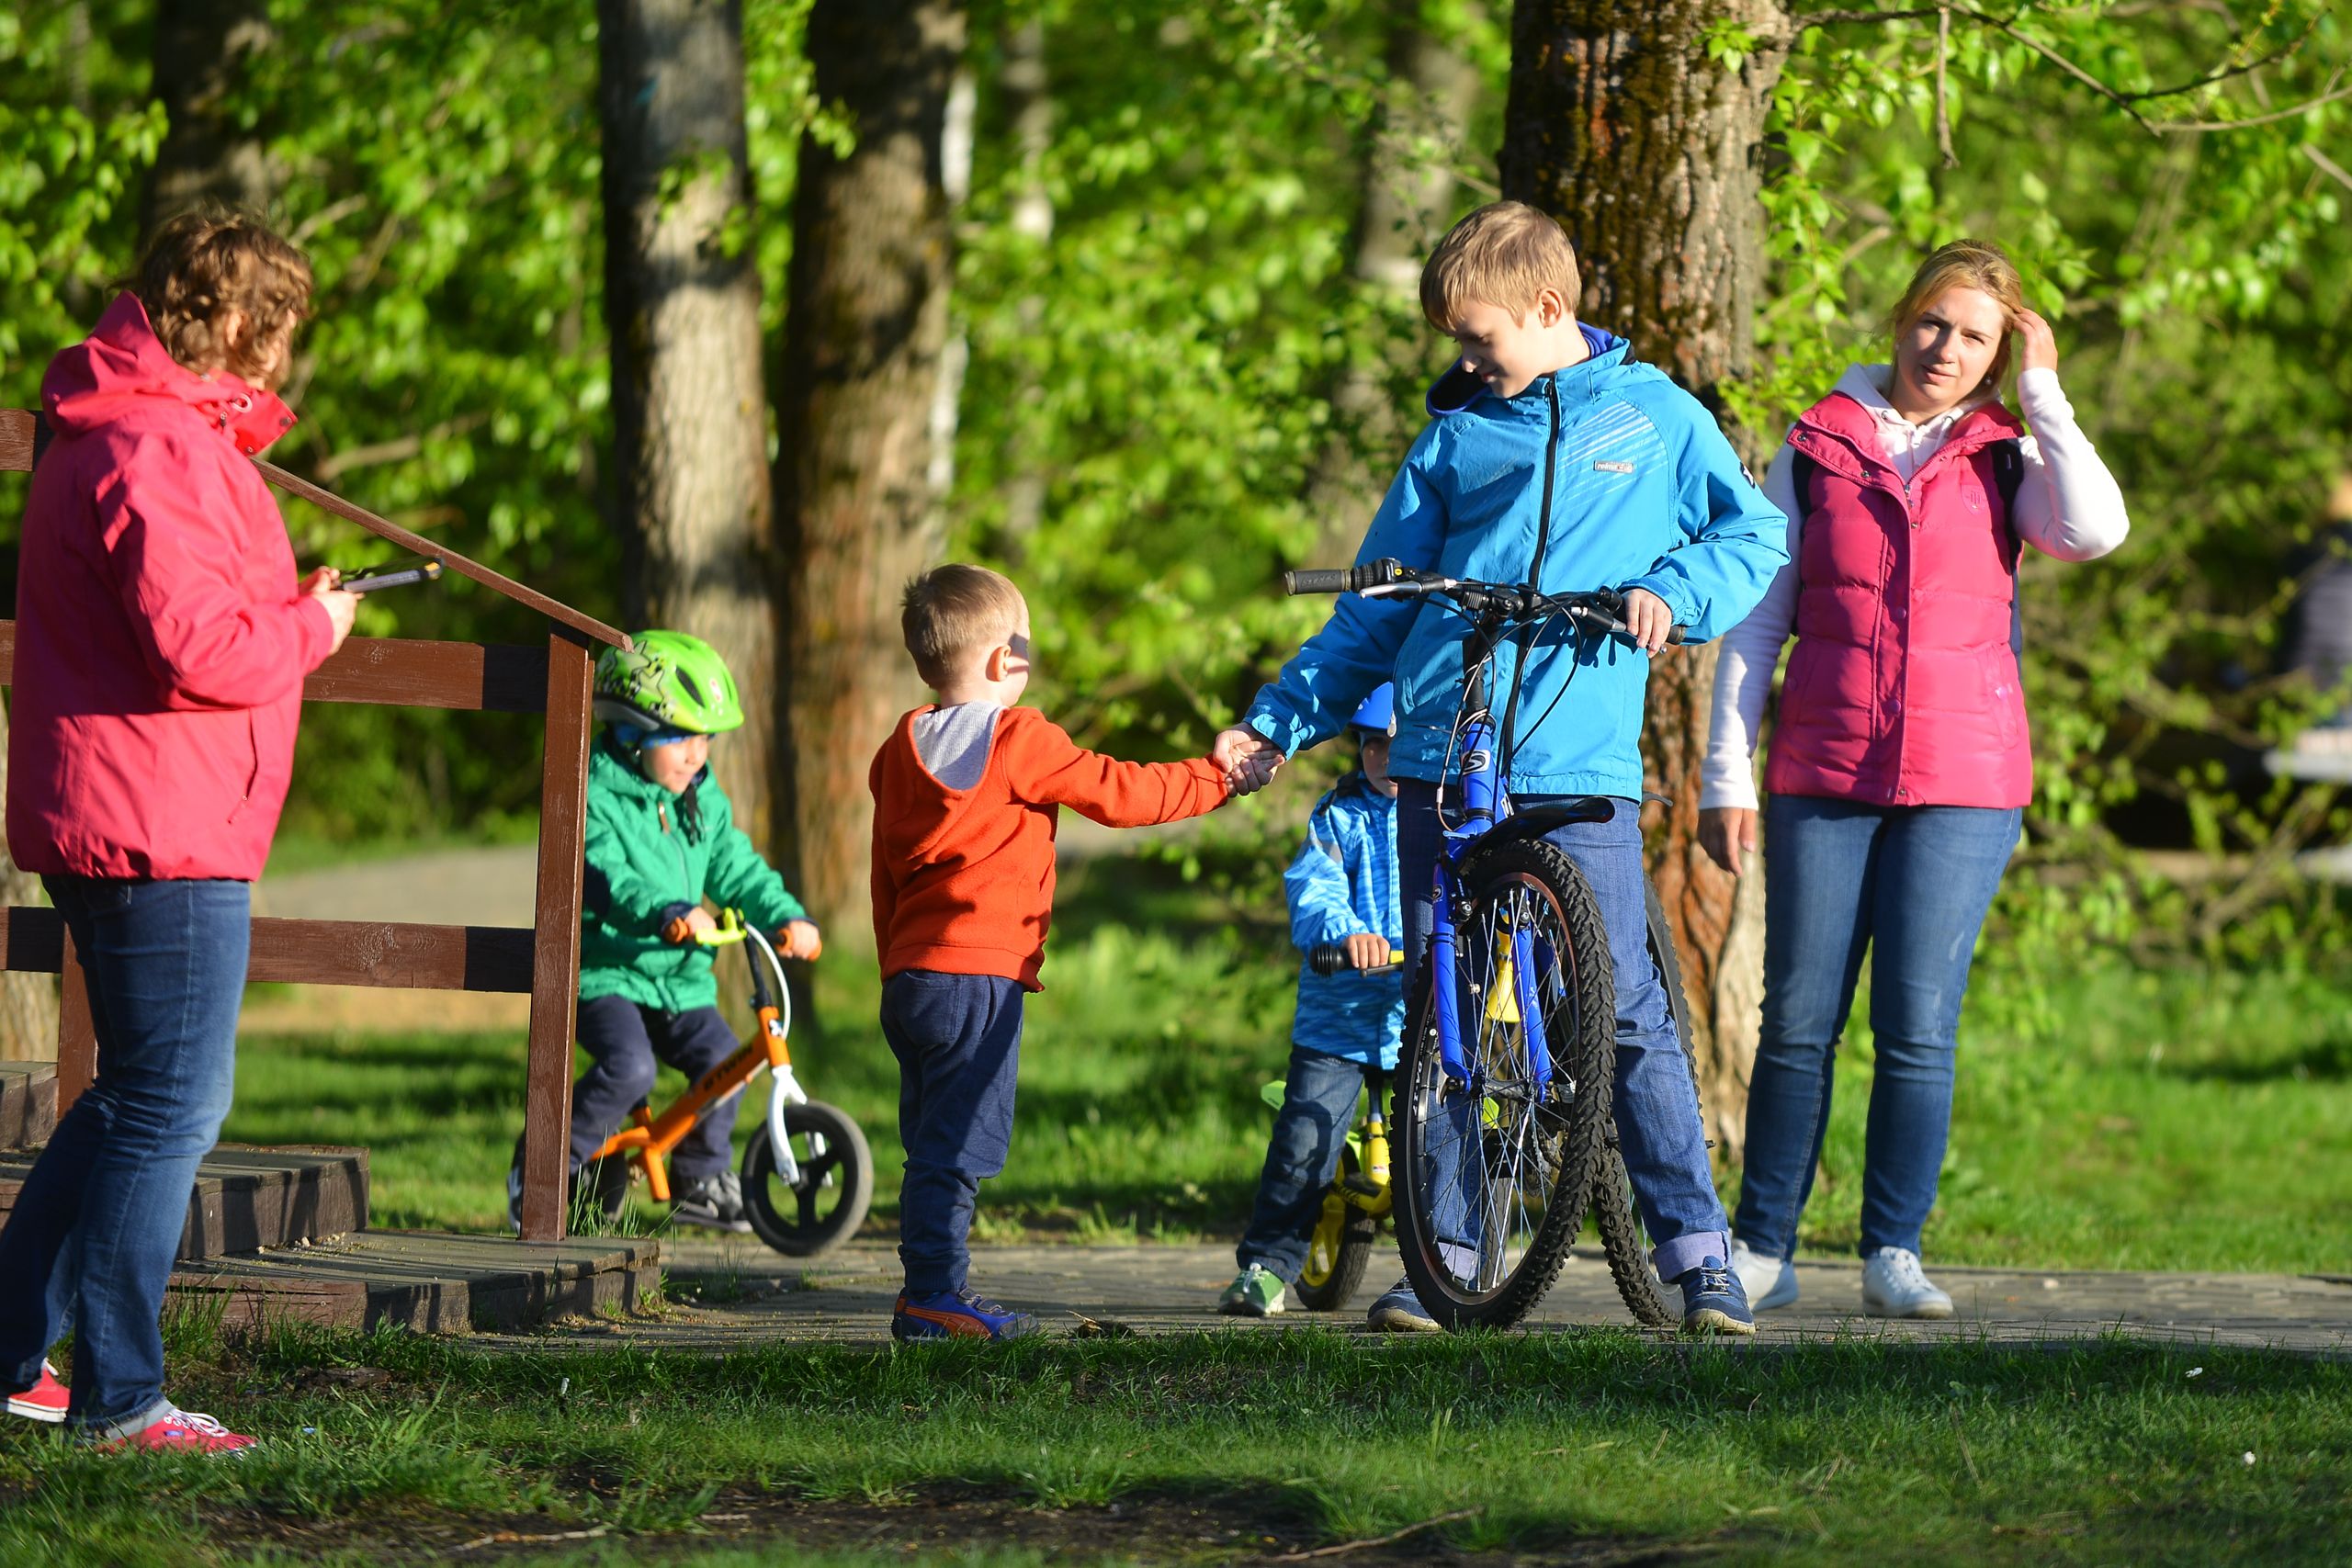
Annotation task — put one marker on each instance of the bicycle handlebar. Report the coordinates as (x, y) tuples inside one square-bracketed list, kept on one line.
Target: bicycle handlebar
[(1331, 957), (425, 572), (1387, 578)]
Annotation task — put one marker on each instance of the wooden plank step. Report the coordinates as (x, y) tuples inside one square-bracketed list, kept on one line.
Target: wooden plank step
[(28, 1103), (248, 1196), (427, 1281)]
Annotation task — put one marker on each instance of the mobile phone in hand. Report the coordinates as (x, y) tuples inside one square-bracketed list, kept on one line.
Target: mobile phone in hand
[(423, 572)]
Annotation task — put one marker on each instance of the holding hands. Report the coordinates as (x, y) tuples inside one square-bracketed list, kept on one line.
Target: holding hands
[(340, 607), (1247, 759), (799, 938)]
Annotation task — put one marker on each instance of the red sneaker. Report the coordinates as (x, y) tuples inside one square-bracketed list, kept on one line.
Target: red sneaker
[(182, 1431), (45, 1401)]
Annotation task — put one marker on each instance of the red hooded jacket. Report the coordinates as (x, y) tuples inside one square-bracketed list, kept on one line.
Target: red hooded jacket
[(161, 642)]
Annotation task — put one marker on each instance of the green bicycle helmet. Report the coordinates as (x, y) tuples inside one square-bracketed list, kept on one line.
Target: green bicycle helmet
[(669, 680)]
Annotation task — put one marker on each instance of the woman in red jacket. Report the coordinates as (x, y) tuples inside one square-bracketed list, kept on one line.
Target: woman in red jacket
[(162, 639), (1900, 763)]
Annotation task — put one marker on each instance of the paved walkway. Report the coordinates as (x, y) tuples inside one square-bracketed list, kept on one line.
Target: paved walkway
[(736, 1291)]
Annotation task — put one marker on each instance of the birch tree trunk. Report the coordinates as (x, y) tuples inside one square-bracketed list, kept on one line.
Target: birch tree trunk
[(682, 299), (866, 339), (1649, 152)]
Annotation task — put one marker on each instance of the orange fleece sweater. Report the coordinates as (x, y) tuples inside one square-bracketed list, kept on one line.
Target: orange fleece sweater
[(963, 878)]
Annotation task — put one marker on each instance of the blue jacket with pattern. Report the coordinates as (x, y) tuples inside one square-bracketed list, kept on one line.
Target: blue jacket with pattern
[(1341, 883), (1645, 493)]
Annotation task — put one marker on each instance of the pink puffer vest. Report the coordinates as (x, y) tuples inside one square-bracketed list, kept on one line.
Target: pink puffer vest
[(1902, 687)]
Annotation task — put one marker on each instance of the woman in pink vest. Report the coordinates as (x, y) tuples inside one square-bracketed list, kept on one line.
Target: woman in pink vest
[(161, 639), (1900, 763)]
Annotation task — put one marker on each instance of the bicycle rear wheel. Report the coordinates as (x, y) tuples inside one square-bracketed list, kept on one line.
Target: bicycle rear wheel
[(1340, 1250), (1624, 1236), (1495, 1167)]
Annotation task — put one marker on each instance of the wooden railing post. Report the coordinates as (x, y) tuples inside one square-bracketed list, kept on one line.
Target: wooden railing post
[(77, 1042), (555, 963)]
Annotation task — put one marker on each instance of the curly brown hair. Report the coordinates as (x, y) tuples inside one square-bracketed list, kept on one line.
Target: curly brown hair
[(198, 267)]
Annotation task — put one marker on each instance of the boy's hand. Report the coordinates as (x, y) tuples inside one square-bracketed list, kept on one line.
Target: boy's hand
[(694, 923), (1728, 835), (1367, 952), (1247, 759), (799, 938), (1648, 620)]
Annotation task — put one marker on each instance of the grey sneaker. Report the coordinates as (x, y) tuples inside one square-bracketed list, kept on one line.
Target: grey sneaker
[(1713, 1302), (1769, 1282), (713, 1202), (1255, 1292), (1400, 1311), (1894, 1285)]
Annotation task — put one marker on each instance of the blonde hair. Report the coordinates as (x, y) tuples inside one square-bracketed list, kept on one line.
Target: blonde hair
[(951, 609), (1505, 254), (201, 265), (1967, 264)]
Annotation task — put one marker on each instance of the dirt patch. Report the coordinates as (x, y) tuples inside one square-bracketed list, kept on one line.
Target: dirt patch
[(1248, 1526)]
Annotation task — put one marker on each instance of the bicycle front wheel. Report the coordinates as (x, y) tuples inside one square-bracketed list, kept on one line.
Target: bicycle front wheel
[(811, 1216), (1498, 1149)]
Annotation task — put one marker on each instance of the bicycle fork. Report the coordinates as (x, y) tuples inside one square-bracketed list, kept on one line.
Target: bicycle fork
[(1512, 996)]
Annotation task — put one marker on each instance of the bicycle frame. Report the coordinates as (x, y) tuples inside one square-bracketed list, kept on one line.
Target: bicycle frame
[(649, 1139)]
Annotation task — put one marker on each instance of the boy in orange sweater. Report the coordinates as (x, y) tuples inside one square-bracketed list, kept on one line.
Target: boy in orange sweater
[(966, 795)]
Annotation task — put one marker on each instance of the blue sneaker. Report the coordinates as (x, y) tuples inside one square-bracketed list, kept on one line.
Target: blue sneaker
[(956, 1315), (1714, 1300)]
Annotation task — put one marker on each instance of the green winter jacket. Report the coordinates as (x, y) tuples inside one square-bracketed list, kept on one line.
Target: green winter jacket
[(645, 867)]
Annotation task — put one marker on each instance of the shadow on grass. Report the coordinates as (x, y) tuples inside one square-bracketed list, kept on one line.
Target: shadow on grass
[(2328, 1061)]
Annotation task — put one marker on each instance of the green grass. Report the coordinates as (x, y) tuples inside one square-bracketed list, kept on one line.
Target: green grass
[(2193, 1119), (2097, 1454)]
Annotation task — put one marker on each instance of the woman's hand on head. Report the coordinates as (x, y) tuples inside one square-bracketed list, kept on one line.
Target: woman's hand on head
[(342, 608), (2037, 345), (1728, 835)]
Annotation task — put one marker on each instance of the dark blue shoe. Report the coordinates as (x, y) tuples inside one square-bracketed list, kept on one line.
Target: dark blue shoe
[(956, 1315), (1714, 1300)]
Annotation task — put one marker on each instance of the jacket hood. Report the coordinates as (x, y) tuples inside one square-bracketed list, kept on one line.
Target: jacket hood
[(1457, 389), (932, 812), (121, 365)]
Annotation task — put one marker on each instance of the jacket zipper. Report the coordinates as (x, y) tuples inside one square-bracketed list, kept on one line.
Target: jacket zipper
[(1535, 572)]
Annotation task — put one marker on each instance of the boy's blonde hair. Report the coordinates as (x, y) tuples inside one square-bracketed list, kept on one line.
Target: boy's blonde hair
[(201, 265), (951, 609), (1967, 264), (1505, 254)]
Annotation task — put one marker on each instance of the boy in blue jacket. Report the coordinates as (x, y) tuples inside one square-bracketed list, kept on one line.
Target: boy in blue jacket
[(1342, 890), (1551, 456)]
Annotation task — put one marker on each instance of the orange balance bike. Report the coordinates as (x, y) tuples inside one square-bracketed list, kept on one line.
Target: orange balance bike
[(807, 1175)]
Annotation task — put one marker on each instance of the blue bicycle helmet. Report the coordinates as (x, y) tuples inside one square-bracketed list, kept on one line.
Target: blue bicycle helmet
[(1378, 713)]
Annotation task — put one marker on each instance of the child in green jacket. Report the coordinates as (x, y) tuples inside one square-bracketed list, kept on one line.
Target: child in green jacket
[(661, 839)]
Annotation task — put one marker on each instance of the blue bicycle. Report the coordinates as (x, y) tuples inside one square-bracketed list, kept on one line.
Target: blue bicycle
[(1503, 1089)]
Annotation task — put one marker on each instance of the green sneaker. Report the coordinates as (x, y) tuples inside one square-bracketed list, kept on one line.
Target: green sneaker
[(1255, 1292)]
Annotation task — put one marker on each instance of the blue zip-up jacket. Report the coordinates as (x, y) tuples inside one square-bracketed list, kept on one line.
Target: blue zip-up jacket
[(1343, 882), (1646, 493)]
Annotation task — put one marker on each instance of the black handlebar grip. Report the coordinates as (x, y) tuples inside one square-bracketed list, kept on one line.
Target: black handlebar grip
[(1335, 580), (1331, 958)]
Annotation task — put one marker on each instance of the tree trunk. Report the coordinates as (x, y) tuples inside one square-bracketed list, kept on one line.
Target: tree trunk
[(1029, 112), (202, 50), (1405, 206), (865, 332), (682, 300), (1649, 152)]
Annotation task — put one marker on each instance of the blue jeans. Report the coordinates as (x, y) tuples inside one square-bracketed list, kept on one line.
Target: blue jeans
[(1310, 1132), (624, 1038), (94, 1230), (957, 1038), (1910, 885), (1657, 1109)]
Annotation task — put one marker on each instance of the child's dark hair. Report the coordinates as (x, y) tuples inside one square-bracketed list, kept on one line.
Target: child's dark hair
[(951, 609), (201, 265)]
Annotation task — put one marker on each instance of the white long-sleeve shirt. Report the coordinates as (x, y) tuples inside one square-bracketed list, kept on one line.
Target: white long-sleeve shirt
[(2069, 508)]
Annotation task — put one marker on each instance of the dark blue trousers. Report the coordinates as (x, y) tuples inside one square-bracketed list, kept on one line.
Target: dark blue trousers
[(1319, 1100), (626, 1039), (957, 1038), (93, 1232)]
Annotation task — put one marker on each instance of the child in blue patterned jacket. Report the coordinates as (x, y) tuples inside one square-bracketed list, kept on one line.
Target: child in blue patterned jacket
[(1343, 891)]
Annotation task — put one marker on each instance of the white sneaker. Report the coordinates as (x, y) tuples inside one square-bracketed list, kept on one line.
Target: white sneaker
[(1895, 1286), (1769, 1282)]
